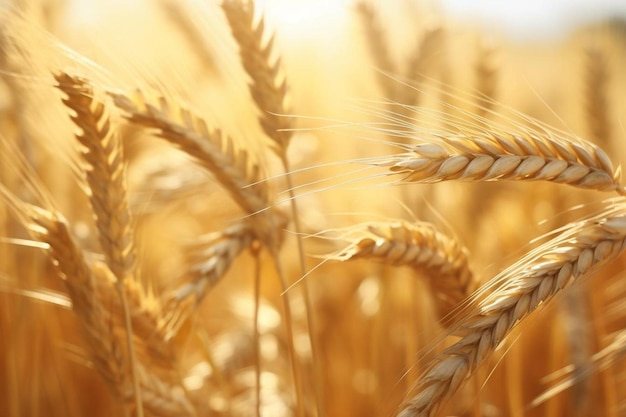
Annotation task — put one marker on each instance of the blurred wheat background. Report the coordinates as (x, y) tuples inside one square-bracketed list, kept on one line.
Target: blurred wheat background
[(359, 208)]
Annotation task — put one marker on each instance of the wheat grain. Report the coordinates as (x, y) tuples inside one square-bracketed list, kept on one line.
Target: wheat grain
[(531, 282)]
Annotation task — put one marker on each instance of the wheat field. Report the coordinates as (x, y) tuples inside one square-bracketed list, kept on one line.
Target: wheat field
[(221, 208)]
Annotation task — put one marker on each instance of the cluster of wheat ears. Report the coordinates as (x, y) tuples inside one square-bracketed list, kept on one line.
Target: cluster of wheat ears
[(211, 225)]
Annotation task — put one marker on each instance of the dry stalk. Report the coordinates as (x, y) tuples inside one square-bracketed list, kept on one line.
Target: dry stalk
[(511, 157), (152, 330), (534, 280), (420, 246)]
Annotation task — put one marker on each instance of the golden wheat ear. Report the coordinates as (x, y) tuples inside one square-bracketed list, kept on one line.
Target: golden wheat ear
[(500, 156), (420, 246), (268, 86), (535, 280), (214, 151), (211, 257), (105, 173)]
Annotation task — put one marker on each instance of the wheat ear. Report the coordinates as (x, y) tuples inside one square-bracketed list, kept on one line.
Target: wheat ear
[(268, 86), (419, 62), (210, 147), (214, 151), (513, 157), (213, 254), (420, 246), (533, 281), (377, 44), (486, 78), (105, 174)]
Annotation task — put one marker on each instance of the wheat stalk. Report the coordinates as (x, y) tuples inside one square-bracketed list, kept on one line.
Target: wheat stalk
[(149, 317), (421, 246), (596, 102), (512, 157), (533, 281)]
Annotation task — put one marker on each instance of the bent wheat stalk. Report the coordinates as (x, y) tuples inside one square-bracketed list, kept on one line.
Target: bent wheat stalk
[(511, 157), (578, 251), (420, 246)]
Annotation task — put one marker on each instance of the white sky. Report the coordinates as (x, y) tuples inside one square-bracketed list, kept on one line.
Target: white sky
[(533, 19)]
